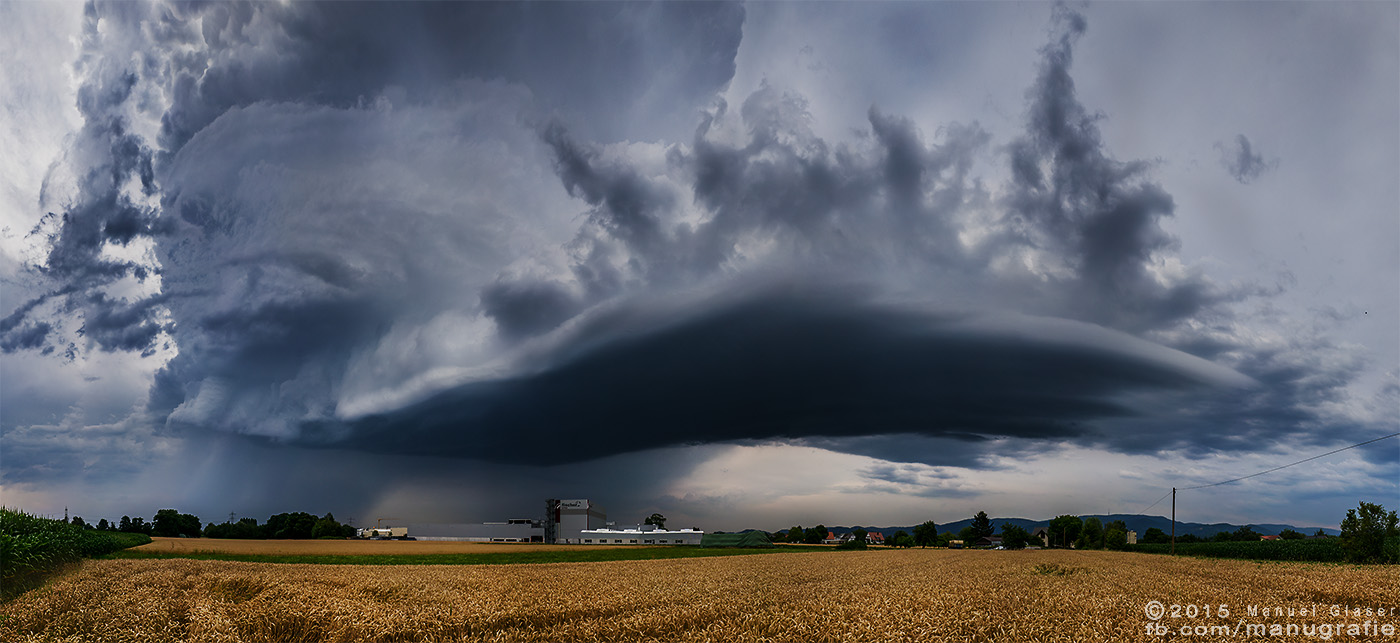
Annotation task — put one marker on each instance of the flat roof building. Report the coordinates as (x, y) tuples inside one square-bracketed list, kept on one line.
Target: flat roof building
[(640, 535)]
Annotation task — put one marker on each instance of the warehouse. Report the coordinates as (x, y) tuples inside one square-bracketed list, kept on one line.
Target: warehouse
[(641, 535), (515, 530)]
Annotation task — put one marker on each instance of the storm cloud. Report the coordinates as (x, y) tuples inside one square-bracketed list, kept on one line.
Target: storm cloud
[(545, 235)]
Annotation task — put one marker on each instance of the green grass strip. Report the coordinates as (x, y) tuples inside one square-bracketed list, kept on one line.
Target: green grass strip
[(491, 558)]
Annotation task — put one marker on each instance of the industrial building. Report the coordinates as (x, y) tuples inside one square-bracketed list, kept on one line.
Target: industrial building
[(515, 530), (575, 522), (641, 535), (565, 520)]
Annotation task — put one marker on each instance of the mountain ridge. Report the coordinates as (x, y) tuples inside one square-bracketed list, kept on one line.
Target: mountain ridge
[(1136, 522)]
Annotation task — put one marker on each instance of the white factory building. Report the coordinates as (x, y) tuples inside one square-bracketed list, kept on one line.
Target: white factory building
[(641, 535)]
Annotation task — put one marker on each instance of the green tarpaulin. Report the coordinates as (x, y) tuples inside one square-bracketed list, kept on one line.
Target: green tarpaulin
[(749, 539)]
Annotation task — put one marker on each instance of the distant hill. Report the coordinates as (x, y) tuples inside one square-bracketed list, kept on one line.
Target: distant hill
[(1135, 522)]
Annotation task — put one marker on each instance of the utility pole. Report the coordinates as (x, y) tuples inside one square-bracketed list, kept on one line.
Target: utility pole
[(1173, 521)]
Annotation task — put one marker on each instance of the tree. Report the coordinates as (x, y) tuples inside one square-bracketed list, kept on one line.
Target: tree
[(1013, 536), (1289, 534), (326, 527), (1155, 535), (103, 525), (815, 535), (1115, 537), (982, 526), (796, 534), (125, 524), (859, 535), (1091, 535), (78, 522), (291, 525), (1064, 530), (901, 538), (1222, 537), (1370, 535), (926, 534), (166, 523), (967, 534), (945, 538), (1320, 534), (656, 519), (1245, 534)]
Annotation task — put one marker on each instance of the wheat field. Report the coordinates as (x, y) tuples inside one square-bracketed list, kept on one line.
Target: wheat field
[(912, 595), (345, 547)]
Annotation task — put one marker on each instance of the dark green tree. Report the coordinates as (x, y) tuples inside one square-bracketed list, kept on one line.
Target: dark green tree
[(78, 521), (815, 535), (1245, 534), (656, 519), (945, 538), (1222, 537), (982, 526), (796, 534), (103, 525), (1289, 534), (166, 523), (1115, 537), (967, 535), (900, 538), (1370, 535), (1013, 536), (1155, 535), (859, 535), (291, 525), (926, 534), (125, 524), (327, 527), (1090, 535), (1064, 530)]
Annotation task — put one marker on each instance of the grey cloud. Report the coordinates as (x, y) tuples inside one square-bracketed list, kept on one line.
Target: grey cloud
[(1241, 161), (1100, 215), (523, 310), (778, 364)]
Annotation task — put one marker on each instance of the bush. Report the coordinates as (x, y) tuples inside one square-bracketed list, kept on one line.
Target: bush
[(32, 547)]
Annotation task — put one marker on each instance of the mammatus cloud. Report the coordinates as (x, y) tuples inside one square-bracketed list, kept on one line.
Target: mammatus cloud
[(1241, 161), (436, 250)]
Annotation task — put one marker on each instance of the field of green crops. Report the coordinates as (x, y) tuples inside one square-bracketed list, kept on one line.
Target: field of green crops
[(31, 547), (1327, 550)]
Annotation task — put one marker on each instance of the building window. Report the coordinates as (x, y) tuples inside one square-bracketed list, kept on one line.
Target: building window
[(617, 540), (650, 542), (588, 540), (634, 541)]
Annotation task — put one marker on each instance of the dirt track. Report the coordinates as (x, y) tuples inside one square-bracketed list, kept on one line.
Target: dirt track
[(344, 547)]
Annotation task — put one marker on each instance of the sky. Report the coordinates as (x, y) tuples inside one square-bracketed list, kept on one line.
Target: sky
[(745, 265)]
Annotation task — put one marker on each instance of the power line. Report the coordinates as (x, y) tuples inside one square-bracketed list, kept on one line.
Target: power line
[(1216, 484), (1164, 497)]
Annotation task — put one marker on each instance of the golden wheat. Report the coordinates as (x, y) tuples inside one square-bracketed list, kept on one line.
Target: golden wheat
[(344, 547), (923, 595)]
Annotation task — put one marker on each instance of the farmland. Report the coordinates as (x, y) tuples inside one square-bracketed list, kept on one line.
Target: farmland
[(344, 547), (933, 595)]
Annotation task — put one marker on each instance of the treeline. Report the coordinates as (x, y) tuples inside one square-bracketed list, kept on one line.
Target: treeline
[(299, 525), (173, 524), (31, 547)]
